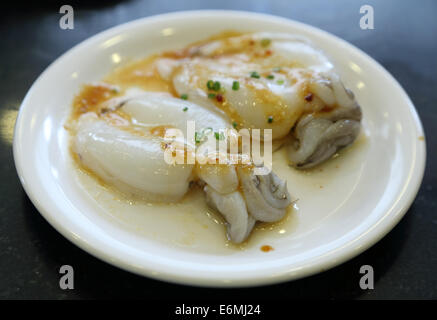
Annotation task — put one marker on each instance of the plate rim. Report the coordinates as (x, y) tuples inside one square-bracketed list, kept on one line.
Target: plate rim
[(348, 253)]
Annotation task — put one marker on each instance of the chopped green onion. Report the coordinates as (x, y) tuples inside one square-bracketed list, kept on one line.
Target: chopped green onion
[(280, 81), (211, 95), (219, 135), (270, 119), (197, 137), (255, 74), (265, 42), (216, 86), (210, 84), (234, 124), (235, 85), (270, 76), (185, 109), (184, 96), (213, 85)]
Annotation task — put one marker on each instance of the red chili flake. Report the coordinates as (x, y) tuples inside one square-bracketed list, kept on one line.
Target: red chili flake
[(309, 97), (219, 98)]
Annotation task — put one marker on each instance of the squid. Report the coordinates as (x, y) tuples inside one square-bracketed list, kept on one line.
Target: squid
[(272, 81), (125, 146)]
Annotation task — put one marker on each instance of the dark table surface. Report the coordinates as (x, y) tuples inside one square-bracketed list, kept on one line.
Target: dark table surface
[(404, 41)]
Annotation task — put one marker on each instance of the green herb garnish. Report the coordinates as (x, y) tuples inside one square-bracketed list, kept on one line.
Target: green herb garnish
[(219, 135), (213, 85), (234, 124), (196, 137), (185, 109), (210, 84), (270, 119), (184, 96), (235, 85), (255, 74), (280, 81), (265, 42), (270, 76), (211, 95), (216, 86)]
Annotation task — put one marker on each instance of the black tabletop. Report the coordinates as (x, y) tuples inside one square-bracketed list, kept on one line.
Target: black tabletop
[(404, 41)]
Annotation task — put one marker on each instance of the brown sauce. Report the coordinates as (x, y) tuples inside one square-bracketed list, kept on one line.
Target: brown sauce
[(267, 248)]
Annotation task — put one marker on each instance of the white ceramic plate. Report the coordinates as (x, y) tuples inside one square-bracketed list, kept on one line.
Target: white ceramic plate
[(344, 207)]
